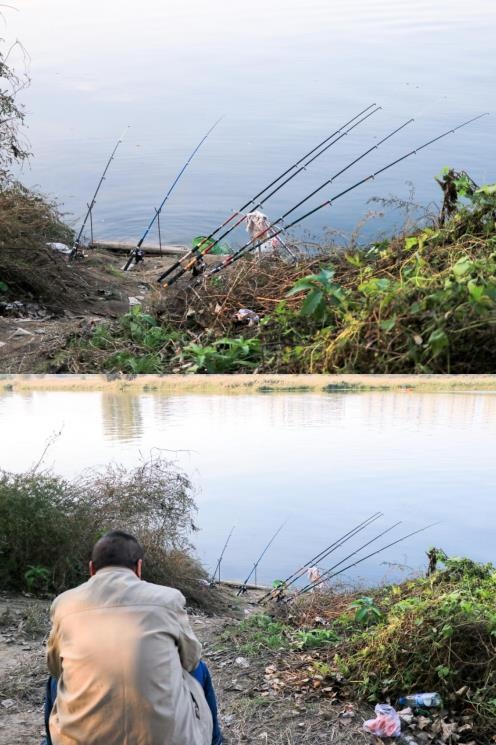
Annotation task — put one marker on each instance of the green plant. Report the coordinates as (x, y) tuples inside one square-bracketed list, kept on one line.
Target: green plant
[(366, 611), (259, 632), (37, 579), (315, 638), (146, 364), (144, 330), (114, 272), (322, 668), (321, 293), (439, 633), (222, 356)]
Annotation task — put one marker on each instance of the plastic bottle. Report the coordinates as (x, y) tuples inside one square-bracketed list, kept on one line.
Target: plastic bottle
[(422, 701)]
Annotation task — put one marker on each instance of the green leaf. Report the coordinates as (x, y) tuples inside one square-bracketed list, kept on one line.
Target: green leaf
[(312, 302), (325, 275), (463, 266), (150, 320), (411, 242), (388, 324), (362, 614), (374, 286), (305, 283), (476, 291), (486, 189), (443, 671), (438, 341)]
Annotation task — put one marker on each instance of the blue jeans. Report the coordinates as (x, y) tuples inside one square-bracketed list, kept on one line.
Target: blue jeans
[(202, 675)]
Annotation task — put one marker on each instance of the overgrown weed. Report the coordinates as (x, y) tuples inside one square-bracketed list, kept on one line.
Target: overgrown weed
[(435, 633), (48, 526), (423, 302)]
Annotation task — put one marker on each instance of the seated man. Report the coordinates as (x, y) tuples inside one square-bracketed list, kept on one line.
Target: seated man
[(126, 660)]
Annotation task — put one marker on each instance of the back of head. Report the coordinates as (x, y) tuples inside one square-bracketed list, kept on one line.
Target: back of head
[(116, 549)]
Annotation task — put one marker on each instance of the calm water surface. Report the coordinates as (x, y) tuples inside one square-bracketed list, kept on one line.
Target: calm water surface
[(285, 74), (322, 462)]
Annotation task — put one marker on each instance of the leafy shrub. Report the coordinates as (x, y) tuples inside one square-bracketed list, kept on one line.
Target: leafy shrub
[(48, 526), (139, 344), (366, 611), (222, 356), (435, 634), (315, 638), (37, 579), (259, 632), (428, 634)]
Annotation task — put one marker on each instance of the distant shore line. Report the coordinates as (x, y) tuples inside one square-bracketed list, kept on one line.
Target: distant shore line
[(246, 384)]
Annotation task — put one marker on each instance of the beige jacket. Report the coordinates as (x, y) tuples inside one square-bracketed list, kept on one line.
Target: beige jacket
[(121, 649)]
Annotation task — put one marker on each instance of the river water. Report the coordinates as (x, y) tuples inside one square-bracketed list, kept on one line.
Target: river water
[(321, 462), (284, 74)]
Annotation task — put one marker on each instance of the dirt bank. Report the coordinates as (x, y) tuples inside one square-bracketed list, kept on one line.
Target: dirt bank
[(48, 300), (250, 710)]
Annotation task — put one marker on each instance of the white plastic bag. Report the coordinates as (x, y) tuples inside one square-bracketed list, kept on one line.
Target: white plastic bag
[(386, 723), (59, 247)]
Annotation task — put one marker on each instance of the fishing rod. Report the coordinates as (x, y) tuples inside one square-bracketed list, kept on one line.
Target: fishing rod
[(354, 564), (321, 555), (281, 219), (309, 196), (196, 251), (255, 565), (328, 203), (137, 252), (353, 553), (219, 560), (75, 247)]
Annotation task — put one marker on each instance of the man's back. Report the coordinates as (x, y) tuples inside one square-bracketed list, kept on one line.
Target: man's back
[(120, 648)]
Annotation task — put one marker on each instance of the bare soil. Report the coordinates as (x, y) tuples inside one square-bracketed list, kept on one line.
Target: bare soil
[(251, 711), (69, 299)]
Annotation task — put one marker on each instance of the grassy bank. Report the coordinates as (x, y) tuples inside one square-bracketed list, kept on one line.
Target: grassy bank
[(421, 302), (428, 634)]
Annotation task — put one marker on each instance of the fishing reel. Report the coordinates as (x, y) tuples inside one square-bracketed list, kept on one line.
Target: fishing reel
[(198, 267)]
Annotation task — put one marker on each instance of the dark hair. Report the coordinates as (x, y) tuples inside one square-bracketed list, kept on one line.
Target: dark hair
[(116, 549)]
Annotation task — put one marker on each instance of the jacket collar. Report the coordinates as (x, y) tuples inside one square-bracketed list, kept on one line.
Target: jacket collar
[(116, 570)]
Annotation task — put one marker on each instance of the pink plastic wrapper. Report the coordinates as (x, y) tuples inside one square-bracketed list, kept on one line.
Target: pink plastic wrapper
[(386, 723)]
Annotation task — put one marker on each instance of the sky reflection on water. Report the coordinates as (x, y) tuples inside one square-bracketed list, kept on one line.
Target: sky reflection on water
[(285, 74)]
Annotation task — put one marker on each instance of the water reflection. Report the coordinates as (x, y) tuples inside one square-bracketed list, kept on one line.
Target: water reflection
[(321, 461), (286, 74), (122, 416)]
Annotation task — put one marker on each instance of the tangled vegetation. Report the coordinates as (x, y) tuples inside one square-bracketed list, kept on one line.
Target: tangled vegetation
[(48, 526), (418, 303), (12, 148), (427, 634), (28, 220)]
